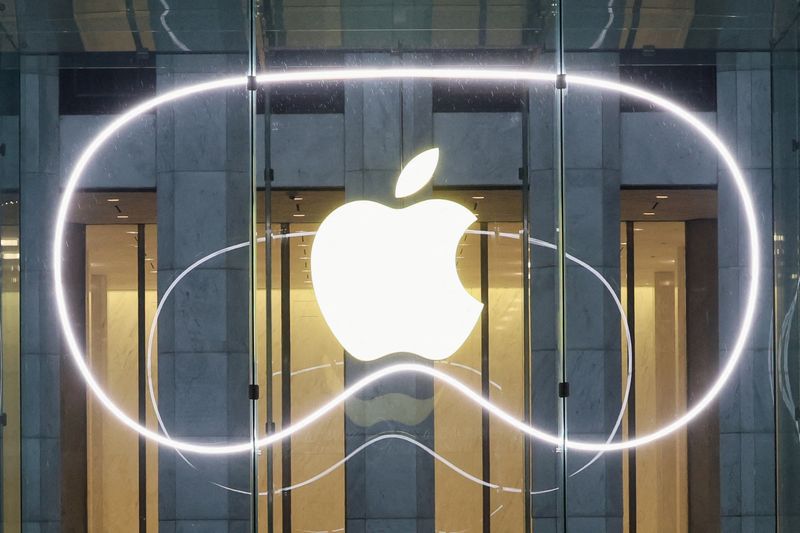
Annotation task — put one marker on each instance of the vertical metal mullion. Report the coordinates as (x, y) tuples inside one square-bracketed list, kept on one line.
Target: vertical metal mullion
[(142, 375), (485, 428), (286, 380), (527, 354), (560, 176), (630, 303), (252, 254)]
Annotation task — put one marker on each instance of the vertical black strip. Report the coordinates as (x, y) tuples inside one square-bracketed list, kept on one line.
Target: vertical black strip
[(130, 12), (630, 304), (636, 12), (286, 381), (702, 367), (269, 392), (142, 378), (485, 449), (74, 473)]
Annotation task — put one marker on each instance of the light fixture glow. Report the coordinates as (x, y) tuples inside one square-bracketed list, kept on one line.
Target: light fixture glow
[(648, 213), (409, 73), (661, 196), (9, 243)]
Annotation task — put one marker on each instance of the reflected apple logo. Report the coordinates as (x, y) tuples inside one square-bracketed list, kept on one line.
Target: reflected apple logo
[(386, 279)]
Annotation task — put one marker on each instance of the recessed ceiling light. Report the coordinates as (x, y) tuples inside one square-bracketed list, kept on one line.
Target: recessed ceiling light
[(122, 216), (112, 200), (297, 198), (298, 215), (9, 242), (662, 196), (648, 213), (638, 229), (132, 232), (10, 255), (478, 197)]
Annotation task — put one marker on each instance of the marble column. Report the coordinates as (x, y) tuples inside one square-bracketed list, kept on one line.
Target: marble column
[(593, 363), (202, 184), (747, 445), (40, 357), (390, 486)]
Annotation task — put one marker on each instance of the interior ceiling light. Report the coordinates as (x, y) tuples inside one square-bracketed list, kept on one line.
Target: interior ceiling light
[(509, 75), (112, 200), (661, 196), (648, 213)]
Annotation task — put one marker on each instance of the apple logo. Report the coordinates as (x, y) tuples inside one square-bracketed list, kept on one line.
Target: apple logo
[(386, 280)]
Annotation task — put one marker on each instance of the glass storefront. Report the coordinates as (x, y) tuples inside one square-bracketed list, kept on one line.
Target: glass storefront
[(399, 266)]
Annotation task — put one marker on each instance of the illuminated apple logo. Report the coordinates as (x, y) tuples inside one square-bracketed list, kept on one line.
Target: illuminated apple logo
[(386, 279)]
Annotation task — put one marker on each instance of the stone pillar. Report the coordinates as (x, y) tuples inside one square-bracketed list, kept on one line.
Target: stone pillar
[(202, 180), (40, 357), (747, 444), (390, 486), (592, 162)]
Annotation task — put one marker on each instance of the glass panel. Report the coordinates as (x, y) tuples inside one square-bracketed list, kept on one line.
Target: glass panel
[(786, 198), (627, 158), (164, 213)]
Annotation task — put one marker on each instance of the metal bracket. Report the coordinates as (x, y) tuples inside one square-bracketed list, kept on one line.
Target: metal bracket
[(563, 389), (253, 392), (252, 84), (561, 81)]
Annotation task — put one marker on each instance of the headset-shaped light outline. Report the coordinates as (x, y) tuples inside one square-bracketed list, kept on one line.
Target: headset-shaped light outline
[(408, 73)]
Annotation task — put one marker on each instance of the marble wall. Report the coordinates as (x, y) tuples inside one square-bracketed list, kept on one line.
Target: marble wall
[(40, 354), (747, 451)]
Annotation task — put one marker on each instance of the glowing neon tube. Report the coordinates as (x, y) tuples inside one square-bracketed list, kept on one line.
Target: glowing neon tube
[(410, 73)]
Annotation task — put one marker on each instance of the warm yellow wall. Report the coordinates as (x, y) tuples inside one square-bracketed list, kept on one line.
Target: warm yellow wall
[(319, 506), (112, 450), (457, 437), (11, 432), (660, 397)]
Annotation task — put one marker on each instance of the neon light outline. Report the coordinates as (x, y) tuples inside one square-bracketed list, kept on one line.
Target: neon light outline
[(408, 73), (535, 242)]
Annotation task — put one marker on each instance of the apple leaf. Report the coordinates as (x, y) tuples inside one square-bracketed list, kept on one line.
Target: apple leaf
[(417, 173)]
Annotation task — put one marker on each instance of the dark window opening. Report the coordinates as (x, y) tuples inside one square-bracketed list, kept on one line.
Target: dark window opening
[(454, 96), (688, 81), (303, 98), (103, 91)]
